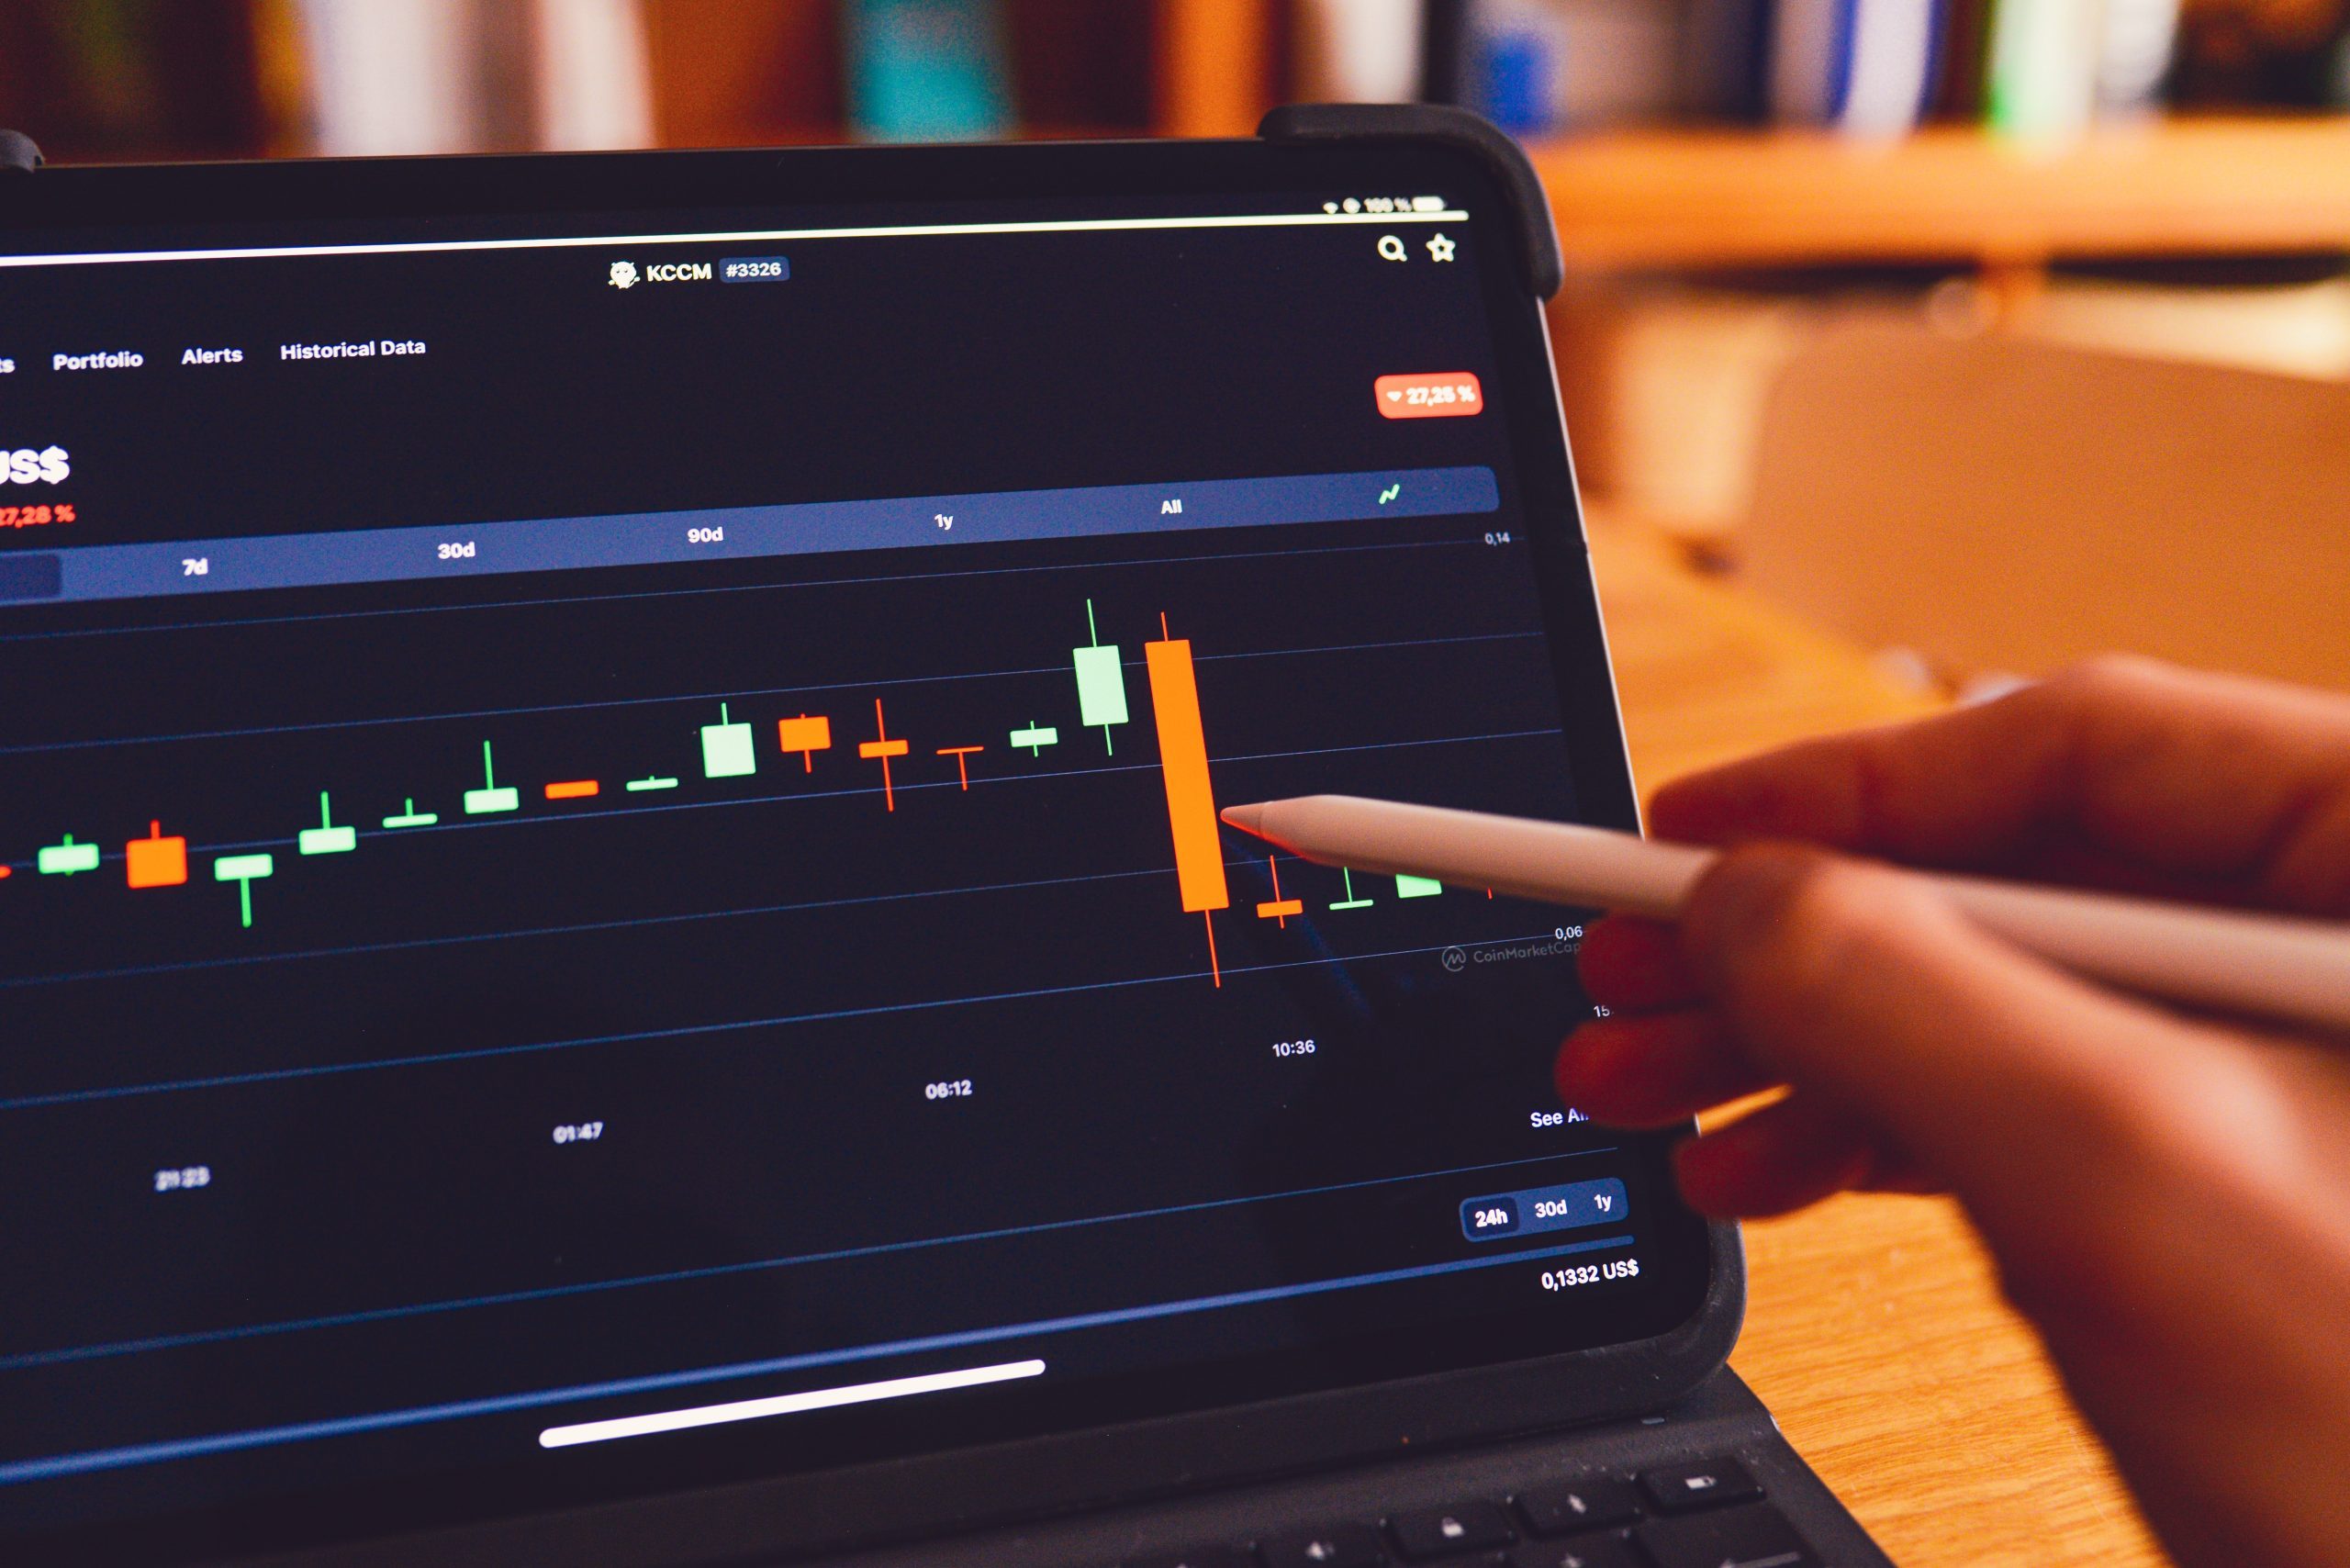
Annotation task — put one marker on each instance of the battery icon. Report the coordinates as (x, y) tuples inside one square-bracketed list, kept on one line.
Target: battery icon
[(1428, 204)]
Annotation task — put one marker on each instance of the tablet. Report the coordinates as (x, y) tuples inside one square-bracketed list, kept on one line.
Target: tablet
[(607, 802)]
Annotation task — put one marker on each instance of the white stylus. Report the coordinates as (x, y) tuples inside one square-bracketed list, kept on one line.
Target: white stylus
[(2270, 966)]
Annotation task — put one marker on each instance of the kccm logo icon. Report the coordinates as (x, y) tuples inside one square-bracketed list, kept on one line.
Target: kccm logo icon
[(25, 466), (628, 274)]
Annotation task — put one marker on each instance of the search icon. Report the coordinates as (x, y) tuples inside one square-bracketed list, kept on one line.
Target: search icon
[(1393, 249)]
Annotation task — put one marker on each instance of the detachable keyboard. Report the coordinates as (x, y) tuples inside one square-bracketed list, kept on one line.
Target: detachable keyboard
[(1708, 1482), (1711, 1513)]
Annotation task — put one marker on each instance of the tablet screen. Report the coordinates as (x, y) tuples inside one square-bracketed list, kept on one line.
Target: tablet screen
[(611, 868)]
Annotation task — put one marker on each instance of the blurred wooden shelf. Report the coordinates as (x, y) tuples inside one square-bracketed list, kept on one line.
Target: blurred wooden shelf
[(1680, 199), (748, 72)]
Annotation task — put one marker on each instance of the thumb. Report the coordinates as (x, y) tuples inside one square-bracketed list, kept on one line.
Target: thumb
[(2020, 1087)]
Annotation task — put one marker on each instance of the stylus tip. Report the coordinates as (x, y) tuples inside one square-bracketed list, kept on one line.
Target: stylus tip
[(1245, 818)]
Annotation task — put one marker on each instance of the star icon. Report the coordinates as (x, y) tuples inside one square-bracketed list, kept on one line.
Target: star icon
[(1441, 248)]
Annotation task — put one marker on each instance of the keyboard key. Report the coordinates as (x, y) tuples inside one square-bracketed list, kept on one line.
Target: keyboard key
[(1570, 1508), (1585, 1551), (1340, 1546), (1203, 1557), (1444, 1532), (1708, 1483), (1757, 1536)]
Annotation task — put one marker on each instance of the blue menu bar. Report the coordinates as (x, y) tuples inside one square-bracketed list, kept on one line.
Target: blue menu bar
[(645, 539)]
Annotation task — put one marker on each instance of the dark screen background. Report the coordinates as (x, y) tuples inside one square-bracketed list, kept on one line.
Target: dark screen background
[(882, 1082)]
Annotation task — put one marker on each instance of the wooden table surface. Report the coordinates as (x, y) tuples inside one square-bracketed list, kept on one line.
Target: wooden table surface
[(1874, 1328)]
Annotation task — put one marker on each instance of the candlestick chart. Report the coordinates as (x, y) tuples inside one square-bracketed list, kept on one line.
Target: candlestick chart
[(731, 747), (770, 874)]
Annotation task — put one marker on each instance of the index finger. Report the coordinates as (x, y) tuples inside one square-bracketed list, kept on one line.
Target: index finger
[(2235, 786)]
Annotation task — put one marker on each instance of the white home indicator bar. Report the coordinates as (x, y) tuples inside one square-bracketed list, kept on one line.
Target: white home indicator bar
[(783, 1404)]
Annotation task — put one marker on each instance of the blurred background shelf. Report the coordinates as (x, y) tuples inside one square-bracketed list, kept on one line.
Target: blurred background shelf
[(1740, 186), (116, 81), (1689, 198), (1652, 178)]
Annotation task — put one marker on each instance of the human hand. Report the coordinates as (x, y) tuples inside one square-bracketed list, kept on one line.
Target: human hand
[(2167, 1197)]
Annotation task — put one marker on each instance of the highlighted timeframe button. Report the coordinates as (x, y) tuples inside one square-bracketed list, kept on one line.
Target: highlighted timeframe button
[(1450, 395)]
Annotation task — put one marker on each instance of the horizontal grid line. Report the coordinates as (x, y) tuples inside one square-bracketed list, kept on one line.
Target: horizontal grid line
[(686, 1031), (455, 716), (722, 1271)]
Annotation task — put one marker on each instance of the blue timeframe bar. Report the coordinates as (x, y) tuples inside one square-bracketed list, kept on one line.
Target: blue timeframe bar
[(663, 538), (1537, 1209)]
